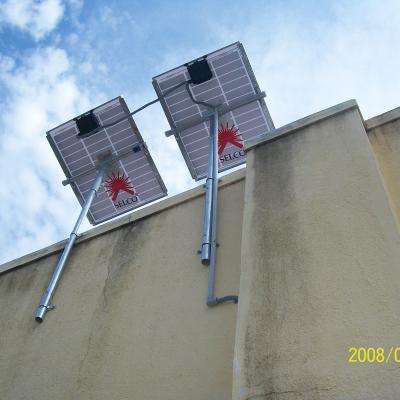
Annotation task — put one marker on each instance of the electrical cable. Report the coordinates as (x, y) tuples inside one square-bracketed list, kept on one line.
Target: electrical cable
[(169, 91), (203, 103)]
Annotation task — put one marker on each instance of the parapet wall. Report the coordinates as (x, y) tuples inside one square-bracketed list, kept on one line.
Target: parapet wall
[(130, 319), (384, 134), (308, 229), (322, 273)]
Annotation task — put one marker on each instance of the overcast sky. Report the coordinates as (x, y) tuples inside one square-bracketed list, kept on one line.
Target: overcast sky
[(59, 58)]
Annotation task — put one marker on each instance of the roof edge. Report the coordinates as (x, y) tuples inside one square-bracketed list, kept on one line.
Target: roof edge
[(382, 119), (302, 123), (129, 218)]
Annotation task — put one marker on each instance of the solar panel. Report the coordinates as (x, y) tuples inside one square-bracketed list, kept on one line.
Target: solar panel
[(133, 180), (233, 86)]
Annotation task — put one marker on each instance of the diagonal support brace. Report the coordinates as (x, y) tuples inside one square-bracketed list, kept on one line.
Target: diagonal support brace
[(44, 304)]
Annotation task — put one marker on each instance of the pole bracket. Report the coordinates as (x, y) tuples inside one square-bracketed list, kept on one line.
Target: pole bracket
[(211, 302), (221, 109), (109, 161)]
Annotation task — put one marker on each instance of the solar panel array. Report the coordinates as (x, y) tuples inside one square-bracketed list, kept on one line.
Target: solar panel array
[(133, 180), (233, 82)]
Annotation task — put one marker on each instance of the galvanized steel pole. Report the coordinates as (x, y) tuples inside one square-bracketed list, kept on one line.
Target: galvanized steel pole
[(214, 208), (213, 173), (211, 176), (44, 304)]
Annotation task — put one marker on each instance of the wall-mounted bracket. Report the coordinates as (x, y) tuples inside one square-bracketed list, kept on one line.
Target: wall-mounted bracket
[(221, 111)]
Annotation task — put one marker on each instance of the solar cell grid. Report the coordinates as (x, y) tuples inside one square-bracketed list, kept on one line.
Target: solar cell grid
[(232, 82), (133, 180)]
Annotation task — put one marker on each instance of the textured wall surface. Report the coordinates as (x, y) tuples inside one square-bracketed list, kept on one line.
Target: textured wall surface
[(320, 270), (317, 256), (384, 136), (131, 320)]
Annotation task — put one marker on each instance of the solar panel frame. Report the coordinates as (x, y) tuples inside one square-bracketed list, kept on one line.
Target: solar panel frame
[(141, 143), (177, 129)]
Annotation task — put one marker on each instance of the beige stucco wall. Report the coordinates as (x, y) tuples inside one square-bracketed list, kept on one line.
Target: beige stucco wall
[(384, 135), (320, 272), (317, 255), (131, 320)]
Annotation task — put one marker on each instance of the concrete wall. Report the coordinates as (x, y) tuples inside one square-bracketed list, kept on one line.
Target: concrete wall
[(131, 320), (320, 272), (384, 135), (317, 255)]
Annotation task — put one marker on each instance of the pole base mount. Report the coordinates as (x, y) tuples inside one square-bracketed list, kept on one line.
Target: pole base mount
[(219, 300)]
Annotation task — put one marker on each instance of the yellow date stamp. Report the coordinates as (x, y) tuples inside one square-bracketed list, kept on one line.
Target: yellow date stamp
[(379, 355)]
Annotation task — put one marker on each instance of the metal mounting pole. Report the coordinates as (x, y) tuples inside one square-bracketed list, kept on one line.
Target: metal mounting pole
[(208, 204), (209, 246), (44, 304), (209, 243)]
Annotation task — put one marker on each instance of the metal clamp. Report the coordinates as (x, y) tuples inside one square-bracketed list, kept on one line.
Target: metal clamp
[(109, 161), (219, 300), (223, 109)]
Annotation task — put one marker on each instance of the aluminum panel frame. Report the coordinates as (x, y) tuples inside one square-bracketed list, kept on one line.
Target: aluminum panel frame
[(157, 82), (119, 102)]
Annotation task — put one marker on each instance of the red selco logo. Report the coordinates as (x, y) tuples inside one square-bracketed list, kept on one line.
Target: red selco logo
[(114, 184), (228, 134)]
